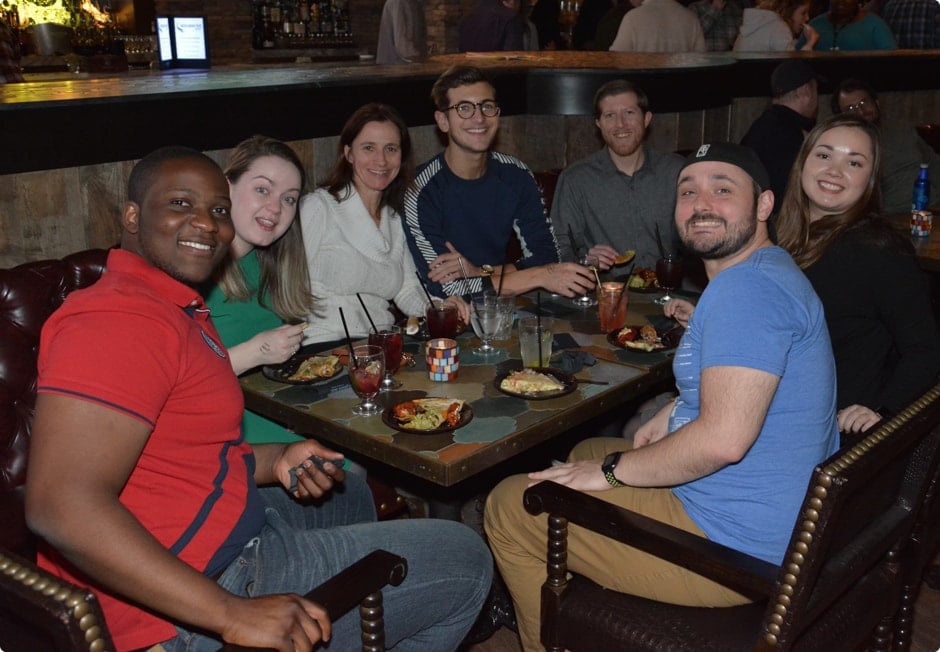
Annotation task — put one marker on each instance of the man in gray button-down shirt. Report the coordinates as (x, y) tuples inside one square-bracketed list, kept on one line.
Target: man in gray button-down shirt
[(612, 201)]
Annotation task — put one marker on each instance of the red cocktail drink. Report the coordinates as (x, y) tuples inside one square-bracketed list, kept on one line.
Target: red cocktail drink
[(365, 380), (392, 343), (442, 320)]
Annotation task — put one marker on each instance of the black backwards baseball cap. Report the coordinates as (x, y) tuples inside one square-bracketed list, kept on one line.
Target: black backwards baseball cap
[(789, 76), (737, 155)]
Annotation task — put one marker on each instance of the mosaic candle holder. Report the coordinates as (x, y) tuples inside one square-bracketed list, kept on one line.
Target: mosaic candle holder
[(443, 358)]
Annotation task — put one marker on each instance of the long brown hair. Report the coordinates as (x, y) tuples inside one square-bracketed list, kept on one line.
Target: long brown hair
[(341, 176), (284, 278), (807, 241)]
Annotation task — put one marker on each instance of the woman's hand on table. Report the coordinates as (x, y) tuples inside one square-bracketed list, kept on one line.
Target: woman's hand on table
[(856, 418), (463, 308), (583, 476), (267, 347), (680, 310), (605, 254)]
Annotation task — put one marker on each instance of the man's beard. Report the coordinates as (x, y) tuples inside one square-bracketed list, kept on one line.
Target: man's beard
[(733, 242)]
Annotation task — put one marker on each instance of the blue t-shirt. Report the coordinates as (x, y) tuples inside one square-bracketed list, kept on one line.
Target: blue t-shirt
[(477, 216), (761, 314)]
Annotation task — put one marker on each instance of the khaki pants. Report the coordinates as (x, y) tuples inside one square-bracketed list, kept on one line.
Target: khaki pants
[(518, 542)]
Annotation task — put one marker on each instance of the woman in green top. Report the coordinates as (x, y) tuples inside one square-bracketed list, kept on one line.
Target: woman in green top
[(260, 296)]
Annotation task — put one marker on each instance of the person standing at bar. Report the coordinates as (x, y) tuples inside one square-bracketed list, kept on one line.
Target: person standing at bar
[(659, 26), (493, 26), (403, 33), (9, 69)]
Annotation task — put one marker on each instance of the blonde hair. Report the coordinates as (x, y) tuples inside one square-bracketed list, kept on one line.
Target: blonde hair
[(284, 277)]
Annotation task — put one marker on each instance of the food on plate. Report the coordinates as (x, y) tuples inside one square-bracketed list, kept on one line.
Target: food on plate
[(642, 338), (625, 257), (642, 279), (428, 413), (317, 367), (530, 381)]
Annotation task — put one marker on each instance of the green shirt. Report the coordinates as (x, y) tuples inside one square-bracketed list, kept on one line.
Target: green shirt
[(238, 321)]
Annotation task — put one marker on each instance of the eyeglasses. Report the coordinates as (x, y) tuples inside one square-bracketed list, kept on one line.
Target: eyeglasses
[(467, 109), (858, 106)]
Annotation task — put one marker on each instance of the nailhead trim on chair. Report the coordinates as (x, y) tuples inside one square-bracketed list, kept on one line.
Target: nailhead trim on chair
[(811, 514), (74, 600)]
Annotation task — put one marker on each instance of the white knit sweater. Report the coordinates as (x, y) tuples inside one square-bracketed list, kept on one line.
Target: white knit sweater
[(346, 254)]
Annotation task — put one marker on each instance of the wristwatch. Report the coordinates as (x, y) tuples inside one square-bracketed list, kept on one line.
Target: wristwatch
[(486, 270), (608, 465)]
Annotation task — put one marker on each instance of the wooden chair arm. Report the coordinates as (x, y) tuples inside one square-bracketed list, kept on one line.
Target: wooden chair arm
[(748, 575), (350, 587)]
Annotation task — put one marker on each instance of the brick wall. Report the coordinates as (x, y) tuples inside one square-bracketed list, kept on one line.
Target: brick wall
[(230, 24)]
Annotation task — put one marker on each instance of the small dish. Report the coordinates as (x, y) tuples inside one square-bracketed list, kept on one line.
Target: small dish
[(569, 382), (466, 415), (665, 340), (282, 373)]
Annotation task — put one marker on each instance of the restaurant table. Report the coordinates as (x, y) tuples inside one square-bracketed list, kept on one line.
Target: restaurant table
[(502, 426)]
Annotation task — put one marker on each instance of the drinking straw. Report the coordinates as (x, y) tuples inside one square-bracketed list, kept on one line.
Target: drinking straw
[(463, 272), (352, 354), (538, 325), (425, 288), (659, 242), (366, 310), (502, 275)]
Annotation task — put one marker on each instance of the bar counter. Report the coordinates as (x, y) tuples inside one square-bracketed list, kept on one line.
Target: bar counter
[(68, 143), (68, 122)]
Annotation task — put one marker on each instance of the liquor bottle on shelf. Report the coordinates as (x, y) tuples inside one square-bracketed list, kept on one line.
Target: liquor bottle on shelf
[(920, 199)]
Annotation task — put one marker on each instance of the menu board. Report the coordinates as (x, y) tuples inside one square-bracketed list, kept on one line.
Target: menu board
[(183, 42)]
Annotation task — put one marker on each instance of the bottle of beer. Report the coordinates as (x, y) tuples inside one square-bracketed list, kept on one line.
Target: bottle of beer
[(920, 199)]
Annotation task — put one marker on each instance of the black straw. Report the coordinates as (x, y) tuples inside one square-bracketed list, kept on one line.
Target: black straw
[(366, 310), (659, 242), (502, 275), (538, 325), (425, 288), (352, 354)]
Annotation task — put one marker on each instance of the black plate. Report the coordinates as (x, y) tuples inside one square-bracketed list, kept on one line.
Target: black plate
[(466, 414), (569, 382), (668, 345), (282, 373)]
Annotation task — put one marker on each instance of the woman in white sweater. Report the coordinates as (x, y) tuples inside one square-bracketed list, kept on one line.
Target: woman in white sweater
[(774, 25), (353, 234)]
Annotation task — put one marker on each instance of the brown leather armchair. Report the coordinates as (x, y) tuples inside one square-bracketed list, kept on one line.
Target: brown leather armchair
[(39, 611), (853, 547)]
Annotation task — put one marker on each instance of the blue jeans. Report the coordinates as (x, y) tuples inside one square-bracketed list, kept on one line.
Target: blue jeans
[(449, 569)]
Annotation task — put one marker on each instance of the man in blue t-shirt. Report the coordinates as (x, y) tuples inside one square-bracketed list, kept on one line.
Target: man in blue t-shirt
[(731, 457), (467, 201)]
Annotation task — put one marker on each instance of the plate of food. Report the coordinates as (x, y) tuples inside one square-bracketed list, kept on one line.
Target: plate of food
[(642, 280), (646, 339), (428, 416), (536, 384), (305, 369)]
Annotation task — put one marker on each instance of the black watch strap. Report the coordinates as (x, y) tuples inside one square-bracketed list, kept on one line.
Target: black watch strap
[(608, 465)]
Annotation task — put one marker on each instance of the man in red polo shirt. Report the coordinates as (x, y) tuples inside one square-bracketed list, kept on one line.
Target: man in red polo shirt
[(143, 488)]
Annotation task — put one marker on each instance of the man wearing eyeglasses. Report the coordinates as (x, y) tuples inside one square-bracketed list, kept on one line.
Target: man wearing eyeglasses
[(902, 148), (467, 201)]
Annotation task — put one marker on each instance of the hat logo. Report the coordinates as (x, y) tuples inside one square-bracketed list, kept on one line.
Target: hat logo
[(702, 151)]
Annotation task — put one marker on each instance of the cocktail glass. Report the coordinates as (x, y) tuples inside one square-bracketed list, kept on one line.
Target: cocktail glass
[(365, 375), (668, 275), (391, 341), (442, 320), (587, 299)]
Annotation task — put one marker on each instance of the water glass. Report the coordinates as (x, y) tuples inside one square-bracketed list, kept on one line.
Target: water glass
[(485, 318), (532, 331), (587, 299)]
